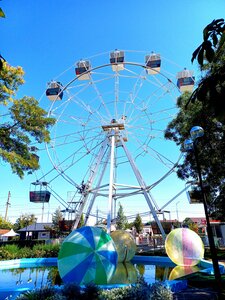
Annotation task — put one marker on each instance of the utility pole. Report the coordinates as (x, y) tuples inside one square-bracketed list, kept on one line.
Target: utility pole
[(7, 205)]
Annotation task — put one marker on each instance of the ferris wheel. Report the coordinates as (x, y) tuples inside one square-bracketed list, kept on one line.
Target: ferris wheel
[(109, 130)]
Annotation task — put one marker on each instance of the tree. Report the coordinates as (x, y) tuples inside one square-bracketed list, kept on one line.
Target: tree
[(211, 149), (213, 39), (81, 222), (190, 224), (5, 224), (2, 15), (57, 217), (24, 220), (121, 219), (211, 58), (206, 107), (138, 223), (24, 122)]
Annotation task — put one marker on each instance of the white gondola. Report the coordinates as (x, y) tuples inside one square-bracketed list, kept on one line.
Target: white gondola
[(40, 194), (153, 63), (117, 60), (83, 66), (54, 91), (185, 80)]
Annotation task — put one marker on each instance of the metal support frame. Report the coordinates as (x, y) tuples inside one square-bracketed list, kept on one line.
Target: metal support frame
[(95, 193), (144, 187), (114, 139), (89, 183), (111, 181)]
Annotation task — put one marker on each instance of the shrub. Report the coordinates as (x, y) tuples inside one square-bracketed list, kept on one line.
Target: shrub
[(71, 291), (41, 294), (47, 250), (140, 291), (11, 251)]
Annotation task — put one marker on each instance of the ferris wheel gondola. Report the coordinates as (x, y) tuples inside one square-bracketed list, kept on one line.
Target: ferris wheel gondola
[(39, 194), (117, 59), (185, 80), (153, 63), (83, 66), (54, 91)]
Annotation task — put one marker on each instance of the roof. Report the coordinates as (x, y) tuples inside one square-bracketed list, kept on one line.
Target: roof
[(200, 220), (36, 227), (10, 233), (3, 231)]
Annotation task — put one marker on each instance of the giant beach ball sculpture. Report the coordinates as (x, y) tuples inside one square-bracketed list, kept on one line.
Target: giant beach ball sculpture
[(184, 247), (87, 255), (125, 245)]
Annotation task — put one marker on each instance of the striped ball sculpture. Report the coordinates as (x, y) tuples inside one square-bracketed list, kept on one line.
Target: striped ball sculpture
[(87, 255), (184, 247)]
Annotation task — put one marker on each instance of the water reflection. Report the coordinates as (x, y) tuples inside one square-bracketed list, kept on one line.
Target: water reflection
[(180, 271), (126, 273)]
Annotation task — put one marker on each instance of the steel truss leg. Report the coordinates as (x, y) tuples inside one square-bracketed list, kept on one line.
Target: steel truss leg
[(111, 182), (90, 182), (143, 186), (96, 192)]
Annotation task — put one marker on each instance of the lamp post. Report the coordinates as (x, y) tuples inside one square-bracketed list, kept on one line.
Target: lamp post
[(191, 144), (177, 211)]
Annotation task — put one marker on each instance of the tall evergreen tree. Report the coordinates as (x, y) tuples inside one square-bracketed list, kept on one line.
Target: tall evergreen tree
[(121, 219), (138, 223)]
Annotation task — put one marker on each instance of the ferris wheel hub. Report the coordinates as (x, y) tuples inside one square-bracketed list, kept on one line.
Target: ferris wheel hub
[(118, 126)]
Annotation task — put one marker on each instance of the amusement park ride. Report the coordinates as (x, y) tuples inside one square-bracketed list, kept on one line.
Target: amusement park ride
[(101, 124)]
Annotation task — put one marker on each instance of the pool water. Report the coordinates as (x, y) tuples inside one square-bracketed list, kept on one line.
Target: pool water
[(24, 276)]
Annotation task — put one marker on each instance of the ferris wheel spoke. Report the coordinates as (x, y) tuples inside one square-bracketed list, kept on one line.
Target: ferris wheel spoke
[(93, 84)]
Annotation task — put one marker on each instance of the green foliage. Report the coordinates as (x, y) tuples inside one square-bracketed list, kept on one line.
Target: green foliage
[(24, 122), (23, 221), (56, 218), (46, 250), (8, 252), (211, 150), (81, 222), (121, 219), (5, 224), (191, 225), (212, 33), (138, 223), (211, 88), (2, 14), (140, 291), (41, 294)]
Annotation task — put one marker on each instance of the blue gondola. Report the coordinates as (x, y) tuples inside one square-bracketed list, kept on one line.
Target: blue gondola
[(117, 60), (54, 91), (40, 194), (153, 63), (185, 80), (82, 67)]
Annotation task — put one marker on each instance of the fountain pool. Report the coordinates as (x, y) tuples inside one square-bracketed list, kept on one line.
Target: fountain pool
[(17, 276)]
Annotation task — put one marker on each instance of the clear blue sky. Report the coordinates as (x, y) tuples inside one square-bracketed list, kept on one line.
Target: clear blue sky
[(46, 37)]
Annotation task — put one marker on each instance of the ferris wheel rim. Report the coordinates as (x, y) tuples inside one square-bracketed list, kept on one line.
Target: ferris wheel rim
[(92, 69)]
